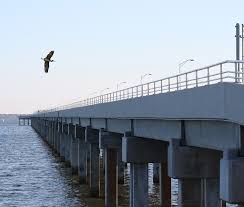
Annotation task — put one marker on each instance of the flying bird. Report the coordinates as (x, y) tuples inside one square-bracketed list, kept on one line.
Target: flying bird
[(47, 60)]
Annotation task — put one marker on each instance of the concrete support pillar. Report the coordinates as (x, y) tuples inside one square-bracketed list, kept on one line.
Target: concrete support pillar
[(165, 185), (111, 188), (62, 141), (231, 176), (92, 138), (102, 173), (190, 194), (88, 165), (68, 150), (139, 185), (111, 144), (66, 143), (58, 137), (121, 167), (198, 172), (139, 152), (94, 170), (155, 172), (82, 147), (82, 150), (74, 155)]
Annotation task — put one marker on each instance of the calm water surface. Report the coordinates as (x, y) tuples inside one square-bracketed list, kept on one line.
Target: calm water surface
[(31, 175)]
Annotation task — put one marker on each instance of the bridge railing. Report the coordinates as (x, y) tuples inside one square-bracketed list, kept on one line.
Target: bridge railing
[(226, 71)]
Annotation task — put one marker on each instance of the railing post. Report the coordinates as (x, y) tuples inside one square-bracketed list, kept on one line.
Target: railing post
[(186, 81), (154, 85), (177, 82), (161, 86), (236, 72), (208, 76), (142, 90), (148, 89), (221, 73), (196, 79), (169, 84)]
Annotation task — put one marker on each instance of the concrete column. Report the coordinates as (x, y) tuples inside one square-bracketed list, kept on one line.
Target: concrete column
[(62, 141), (198, 172), (66, 144), (189, 193), (82, 147), (74, 155), (165, 185), (111, 143), (139, 185), (231, 176), (88, 173), (211, 192), (92, 138), (82, 150), (94, 170), (102, 173), (58, 137), (121, 167), (139, 152), (155, 172), (73, 148), (68, 150)]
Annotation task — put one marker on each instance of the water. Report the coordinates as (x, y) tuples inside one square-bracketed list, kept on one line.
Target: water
[(31, 175)]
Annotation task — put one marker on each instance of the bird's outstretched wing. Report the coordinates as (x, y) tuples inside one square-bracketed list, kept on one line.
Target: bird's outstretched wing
[(50, 54), (46, 66)]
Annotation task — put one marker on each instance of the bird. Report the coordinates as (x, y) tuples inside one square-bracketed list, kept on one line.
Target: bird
[(47, 59)]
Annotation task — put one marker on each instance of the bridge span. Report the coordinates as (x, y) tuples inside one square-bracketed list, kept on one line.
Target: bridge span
[(191, 125)]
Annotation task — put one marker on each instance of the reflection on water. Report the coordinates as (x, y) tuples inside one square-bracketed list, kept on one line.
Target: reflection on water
[(31, 175)]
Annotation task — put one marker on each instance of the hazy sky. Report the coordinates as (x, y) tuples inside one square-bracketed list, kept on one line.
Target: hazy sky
[(100, 43)]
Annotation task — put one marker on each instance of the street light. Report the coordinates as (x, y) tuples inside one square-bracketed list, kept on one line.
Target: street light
[(143, 76), (118, 84), (103, 90), (183, 63), (180, 66)]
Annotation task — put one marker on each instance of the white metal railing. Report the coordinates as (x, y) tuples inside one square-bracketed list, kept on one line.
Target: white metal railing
[(226, 71)]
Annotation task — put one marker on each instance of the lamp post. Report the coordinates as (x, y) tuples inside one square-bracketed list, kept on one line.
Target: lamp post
[(119, 84), (103, 90), (181, 64), (101, 96), (143, 76)]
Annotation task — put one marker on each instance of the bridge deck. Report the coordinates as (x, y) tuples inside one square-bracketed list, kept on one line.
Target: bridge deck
[(212, 115)]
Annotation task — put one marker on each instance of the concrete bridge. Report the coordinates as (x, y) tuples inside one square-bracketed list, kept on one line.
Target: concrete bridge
[(191, 125)]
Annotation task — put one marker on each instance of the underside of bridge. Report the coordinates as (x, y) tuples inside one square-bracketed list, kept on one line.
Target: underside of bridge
[(194, 135)]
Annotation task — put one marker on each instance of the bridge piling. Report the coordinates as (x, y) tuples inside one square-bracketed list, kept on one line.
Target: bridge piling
[(139, 152), (62, 141), (111, 143), (67, 143), (231, 176), (73, 149), (82, 150), (121, 167), (155, 172), (198, 172), (92, 138)]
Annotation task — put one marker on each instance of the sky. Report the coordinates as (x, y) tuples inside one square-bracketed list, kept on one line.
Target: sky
[(100, 43)]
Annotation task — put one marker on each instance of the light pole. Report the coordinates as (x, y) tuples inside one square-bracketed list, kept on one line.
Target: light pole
[(181, 64), (143, 76), (119, 84), (103, 90)]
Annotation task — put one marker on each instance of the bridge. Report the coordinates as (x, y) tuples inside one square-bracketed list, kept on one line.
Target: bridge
[(191, 125)]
